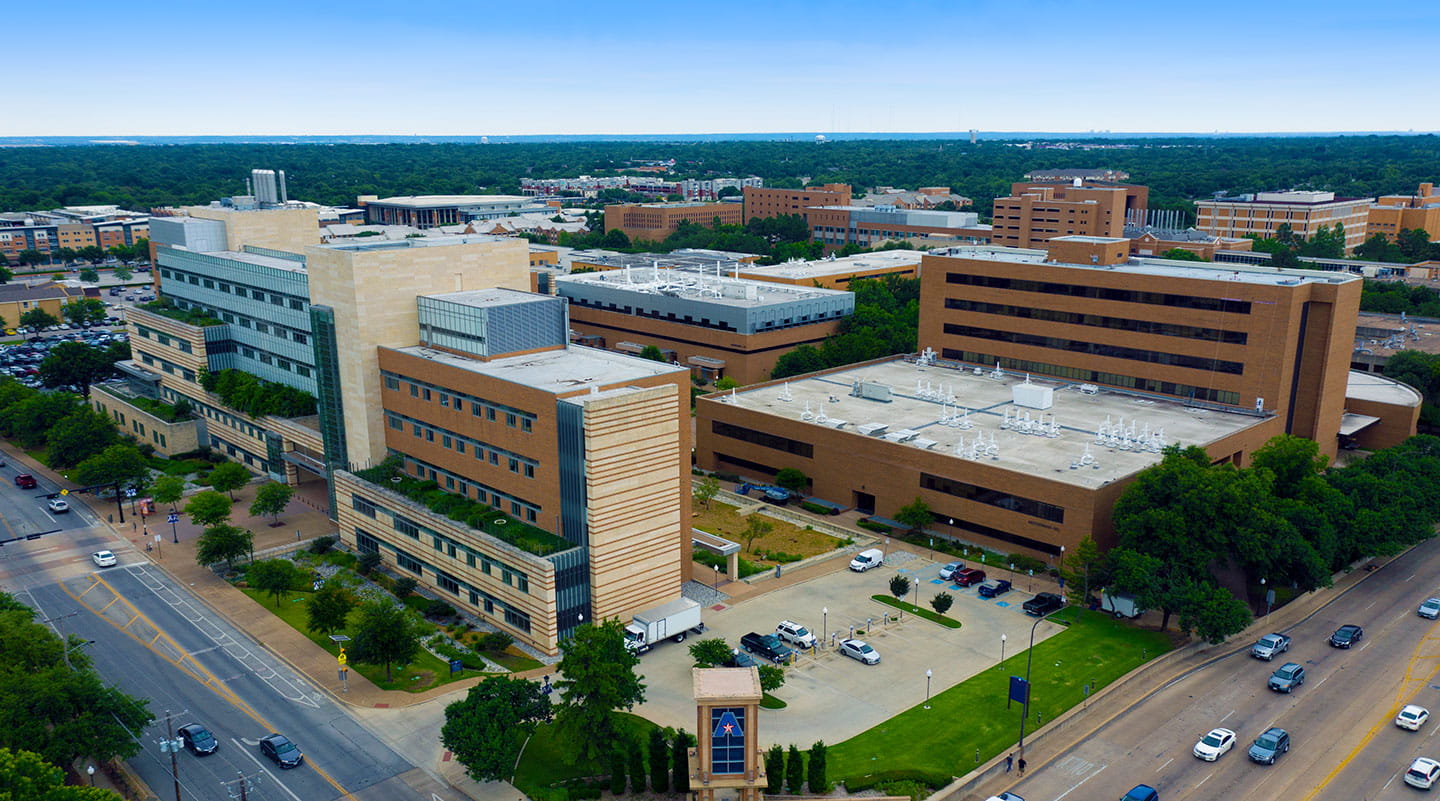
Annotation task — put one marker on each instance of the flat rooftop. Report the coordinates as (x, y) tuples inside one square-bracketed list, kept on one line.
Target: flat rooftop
[(1372, 387), (257, 259), (1388, 334), (860, 262), (428, 201), (742, 293), (1145, 265), (559, 371), (710, 260), (922, 414), (494, 296), (375, 243)]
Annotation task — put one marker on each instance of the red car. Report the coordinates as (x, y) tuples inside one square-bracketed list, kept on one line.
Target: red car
[(969, 576), (25, 481)]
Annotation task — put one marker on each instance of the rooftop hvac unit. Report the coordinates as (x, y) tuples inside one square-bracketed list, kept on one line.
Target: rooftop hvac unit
[(872, 429), (870, 390), (1033, 396)]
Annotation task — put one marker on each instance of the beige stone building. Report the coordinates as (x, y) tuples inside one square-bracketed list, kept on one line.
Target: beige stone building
[(1305, 212)]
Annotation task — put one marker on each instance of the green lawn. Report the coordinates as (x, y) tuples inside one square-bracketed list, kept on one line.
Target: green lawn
[(542, 764), (920, 611), (942, 740)]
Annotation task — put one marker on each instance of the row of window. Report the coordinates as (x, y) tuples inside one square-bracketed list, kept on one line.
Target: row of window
[(1100, 293), (165, 339), (1098, 349), (267, 328), (471, 488), (763, 438), (1095, 376), (1101, 321), (485, 452), (169, 367), (479, 599), (238, 290), (239, 454), (451, 399), (490, 566), (276, 361), (229, 420), (993, 497)]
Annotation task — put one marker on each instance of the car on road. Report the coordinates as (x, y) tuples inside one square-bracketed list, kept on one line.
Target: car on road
[(1214, 745), (1043, 604), (993, 588), (1422, 773), (858, 649), (58, 505), (1412, 717), (1005, 797), (103, 559), (1347, 635), (197, 739), (1269, 746), (768, 646), (284, 752), (1141, 792), (1286, 678), (865, 560), (793, 632), (740, 659), (25, 481), (968, 576), (947, 570), (1429, 608), (1270, 646)]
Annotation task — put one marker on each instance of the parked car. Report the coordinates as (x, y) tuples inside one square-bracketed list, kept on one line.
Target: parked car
[(58, 505), (865, 560), (1214, 745), (1347, 635), (25, 481), (793, 632), (1286, 678), (1269, 646), (197, 739), (768, 646), (103, 559), (968, 576), (1269, 746), (284, 752), (1141, 792), (1429, 608), (1412, 717), (948, 570), (1422, 773), (1043, 604), (993, 588), (858, 649), (740, 659)]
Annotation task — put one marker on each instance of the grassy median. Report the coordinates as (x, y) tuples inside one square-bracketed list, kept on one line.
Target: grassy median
[(942, 741)]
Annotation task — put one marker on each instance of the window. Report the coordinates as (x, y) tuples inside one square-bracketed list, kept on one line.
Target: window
[(408, 562), (391, 382), (519, 620), (362, 505), (406, 526), (364, 543), (447, 583)]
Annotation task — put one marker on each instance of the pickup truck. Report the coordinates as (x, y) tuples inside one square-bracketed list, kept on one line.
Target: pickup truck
[(768, 646), (1043, 604)]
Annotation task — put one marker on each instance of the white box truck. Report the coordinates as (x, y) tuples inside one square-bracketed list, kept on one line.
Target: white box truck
[(1120, 604), (674, 619)]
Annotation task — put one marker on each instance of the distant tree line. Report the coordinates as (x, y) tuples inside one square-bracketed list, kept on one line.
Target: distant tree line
[(886, 321)]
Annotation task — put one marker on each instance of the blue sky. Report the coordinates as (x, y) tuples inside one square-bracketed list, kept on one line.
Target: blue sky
[(557, 66)]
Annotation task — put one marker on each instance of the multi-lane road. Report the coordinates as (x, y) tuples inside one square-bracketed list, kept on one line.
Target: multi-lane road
[(1344, 742)]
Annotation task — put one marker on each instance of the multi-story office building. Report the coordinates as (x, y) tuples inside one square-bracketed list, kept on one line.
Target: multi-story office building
[(1156, 241), (1049, 378), (73, 227), (428, 211), (838, 273), (1037, 212), (18, 298), (652, 222), (1263, 213), (867, 226), (1067, 175), (769, 202), (1392, 214), (714, 325)]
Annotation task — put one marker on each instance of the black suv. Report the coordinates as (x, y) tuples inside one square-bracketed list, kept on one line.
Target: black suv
[(1043, 604), (768, 646)]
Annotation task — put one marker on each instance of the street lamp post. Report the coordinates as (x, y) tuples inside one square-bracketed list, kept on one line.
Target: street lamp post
[(1025, 714), (927, 688), (90, 771), (824, 622), (1002, 648)]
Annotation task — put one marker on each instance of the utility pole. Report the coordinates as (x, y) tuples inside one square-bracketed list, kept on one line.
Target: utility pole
[(172, 745)]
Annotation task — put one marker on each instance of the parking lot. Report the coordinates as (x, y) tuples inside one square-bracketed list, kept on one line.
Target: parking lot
[(831, 697), (22, 360)]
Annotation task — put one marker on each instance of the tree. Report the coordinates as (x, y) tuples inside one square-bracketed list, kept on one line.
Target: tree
[(221, 543), (775, 770), (755, 529), (367, 563), (38, 318), (386, 634), (680, 761), (598, 678), (120, 463), (78, 436), (488, 727), (168, 490), (229, 477), (706, 490), (941, 602), (274, 576), (710, 652), (74, 363), (24, 776), (801, 360), (726, 383), (792, 479), (772, 677), (90, 275), (819, 782), (208, 509), (84, 310), (29, 257), (122, 273), (271, 499), (794, 770), (405, 587), (1085, 567), (637, 768), (31, 418), (659, 762), (1181, 254), (653, 353), (329, 608), (617, 769), (899, 586), (915, 515)]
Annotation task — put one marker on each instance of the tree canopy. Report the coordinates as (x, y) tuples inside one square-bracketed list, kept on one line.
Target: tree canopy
[(487, 728), (597, 678)]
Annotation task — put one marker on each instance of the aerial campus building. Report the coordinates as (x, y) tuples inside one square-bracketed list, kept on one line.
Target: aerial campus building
[(1048, 379)]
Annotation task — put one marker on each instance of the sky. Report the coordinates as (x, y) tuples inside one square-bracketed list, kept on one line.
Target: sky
[(248, 67)]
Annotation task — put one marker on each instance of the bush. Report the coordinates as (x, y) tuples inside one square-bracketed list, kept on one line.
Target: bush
[(367, 563), (870, 781), (818, 509), (747, 568), (733, 478), (617, 770), (879, 528), (1023, 562), (404, 587), (779, 556), (495, 642), (321, 545), (437, 608), (775, 770)]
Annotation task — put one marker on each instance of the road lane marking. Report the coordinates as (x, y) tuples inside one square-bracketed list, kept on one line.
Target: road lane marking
[(1320, 682), (1363, 647), (1077, 784), (1162, 767), (1392, 778), (1412, 575), (1372, 603), (1206, 779), (1227, 716), (266, 770)]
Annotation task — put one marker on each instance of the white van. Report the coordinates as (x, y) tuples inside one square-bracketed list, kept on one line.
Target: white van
[(865, 560)]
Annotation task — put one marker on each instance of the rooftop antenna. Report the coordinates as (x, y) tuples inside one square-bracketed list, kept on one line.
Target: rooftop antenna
[(997, 373), (785, 393), (807, 415)]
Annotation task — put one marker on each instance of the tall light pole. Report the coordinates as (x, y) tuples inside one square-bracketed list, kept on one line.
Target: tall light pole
[(927, 688), (1002, 649), (1025, 714), (824, 622)]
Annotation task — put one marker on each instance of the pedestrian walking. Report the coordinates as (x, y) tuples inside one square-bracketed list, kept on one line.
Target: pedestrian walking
[(1022, 766), (1009, 762)]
